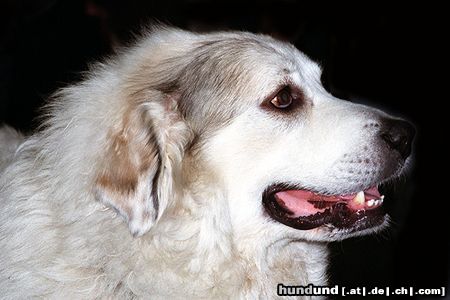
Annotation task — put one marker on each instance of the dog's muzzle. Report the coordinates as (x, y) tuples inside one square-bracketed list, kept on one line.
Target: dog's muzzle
[(305, 209)]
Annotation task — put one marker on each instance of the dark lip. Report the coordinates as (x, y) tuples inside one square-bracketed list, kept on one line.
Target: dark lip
[(338, 215)]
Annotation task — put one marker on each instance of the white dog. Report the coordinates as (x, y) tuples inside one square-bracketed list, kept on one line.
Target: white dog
[(191, 166)]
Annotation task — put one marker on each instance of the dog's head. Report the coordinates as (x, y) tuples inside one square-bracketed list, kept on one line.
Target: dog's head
[(246, 116)]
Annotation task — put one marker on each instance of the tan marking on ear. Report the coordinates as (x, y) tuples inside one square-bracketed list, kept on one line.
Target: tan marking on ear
[(129, 167), (142, 159), (120, 173)]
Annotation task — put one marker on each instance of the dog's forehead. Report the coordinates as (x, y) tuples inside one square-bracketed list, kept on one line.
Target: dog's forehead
[(261, 63)]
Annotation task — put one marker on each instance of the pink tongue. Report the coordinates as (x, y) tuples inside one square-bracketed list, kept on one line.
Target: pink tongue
[(296, 201), (301, 203)]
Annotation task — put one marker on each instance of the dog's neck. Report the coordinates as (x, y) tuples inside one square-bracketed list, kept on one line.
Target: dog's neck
[(199, 239), (205, 252), (210, 244)]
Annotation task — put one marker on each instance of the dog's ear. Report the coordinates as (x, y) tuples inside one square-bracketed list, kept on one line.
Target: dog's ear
[(137, 175)]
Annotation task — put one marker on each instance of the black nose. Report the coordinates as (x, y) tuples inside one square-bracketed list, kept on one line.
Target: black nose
[(398, 134)]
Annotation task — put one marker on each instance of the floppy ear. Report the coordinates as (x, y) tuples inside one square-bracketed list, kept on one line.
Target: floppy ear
[(137, 174)]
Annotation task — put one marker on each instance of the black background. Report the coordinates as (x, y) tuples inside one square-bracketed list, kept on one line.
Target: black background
[(388, 56)]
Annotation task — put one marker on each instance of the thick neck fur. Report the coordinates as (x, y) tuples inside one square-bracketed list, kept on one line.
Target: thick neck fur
[(92, 253)]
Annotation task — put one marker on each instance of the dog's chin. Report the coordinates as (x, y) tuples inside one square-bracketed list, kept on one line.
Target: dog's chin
[(333, 217)]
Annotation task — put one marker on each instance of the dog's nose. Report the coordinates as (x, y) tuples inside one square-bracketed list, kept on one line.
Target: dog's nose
[(398, 134)]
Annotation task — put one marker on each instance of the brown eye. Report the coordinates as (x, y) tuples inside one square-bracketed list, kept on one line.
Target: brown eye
[(283, 99)]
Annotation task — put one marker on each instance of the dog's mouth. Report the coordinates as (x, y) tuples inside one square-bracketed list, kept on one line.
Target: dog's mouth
[(304, 209)]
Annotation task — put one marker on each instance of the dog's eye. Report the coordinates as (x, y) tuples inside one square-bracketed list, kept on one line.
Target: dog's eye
[(283, 99)]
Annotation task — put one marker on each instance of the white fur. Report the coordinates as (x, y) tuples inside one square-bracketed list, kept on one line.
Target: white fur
[(62, 234)]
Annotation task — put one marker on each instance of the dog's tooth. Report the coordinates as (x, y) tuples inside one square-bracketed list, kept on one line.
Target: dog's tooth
[(370, 202), (359, 198), (376, 202)]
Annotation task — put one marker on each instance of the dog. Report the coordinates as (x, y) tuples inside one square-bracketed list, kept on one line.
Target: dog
[(192, 165)]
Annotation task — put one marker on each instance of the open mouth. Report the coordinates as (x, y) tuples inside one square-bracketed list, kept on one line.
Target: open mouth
[(304, 209)]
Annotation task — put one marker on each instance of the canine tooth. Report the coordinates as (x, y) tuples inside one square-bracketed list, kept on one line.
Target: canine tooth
[(359, 198), (370, 202), (376, 202)]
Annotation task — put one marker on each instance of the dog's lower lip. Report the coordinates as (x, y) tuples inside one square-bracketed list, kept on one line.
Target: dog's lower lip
[(338, 211)]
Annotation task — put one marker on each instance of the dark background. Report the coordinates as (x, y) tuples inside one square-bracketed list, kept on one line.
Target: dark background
[(386, 56)]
